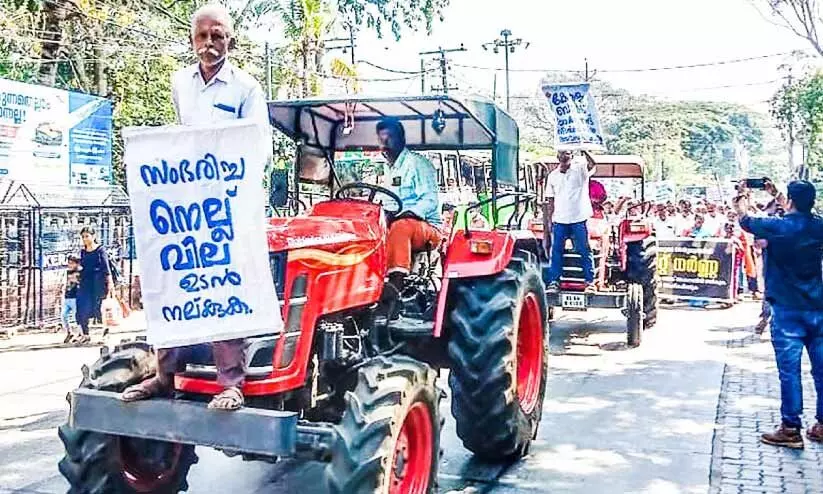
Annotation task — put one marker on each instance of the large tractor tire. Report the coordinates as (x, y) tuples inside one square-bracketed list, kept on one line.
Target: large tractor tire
[(389, 436), (498, 339), (634, 315), (98, 463), (641, 262)]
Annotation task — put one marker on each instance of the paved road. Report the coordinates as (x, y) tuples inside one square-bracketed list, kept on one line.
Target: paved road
[(615, 420)]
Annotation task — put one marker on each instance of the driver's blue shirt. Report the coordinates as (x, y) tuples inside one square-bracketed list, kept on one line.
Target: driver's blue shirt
[(414, 179)]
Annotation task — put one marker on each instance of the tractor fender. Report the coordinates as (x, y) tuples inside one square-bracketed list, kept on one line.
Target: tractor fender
[(461, 262)]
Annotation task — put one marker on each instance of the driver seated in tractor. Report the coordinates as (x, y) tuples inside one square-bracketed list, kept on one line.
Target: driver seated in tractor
[(413, 178)]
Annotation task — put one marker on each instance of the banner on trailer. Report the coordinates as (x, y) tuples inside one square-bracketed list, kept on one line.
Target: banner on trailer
[(696, 269), (577, 125), (198, 212), (51, 136)]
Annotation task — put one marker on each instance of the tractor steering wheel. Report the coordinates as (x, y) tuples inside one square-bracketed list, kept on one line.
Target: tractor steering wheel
[(355, 191)]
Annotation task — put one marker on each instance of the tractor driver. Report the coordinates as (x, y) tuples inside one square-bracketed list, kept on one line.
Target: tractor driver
[(414, 179)]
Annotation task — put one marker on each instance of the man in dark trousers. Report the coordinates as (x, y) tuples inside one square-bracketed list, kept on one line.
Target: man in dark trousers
[(794, 288)]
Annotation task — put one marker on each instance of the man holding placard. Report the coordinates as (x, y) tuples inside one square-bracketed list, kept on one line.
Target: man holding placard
[(568, 208), (211, 91)]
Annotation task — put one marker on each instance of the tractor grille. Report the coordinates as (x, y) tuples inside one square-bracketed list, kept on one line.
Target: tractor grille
[(277, 262)]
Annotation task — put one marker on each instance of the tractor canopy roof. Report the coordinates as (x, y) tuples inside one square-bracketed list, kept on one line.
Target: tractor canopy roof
[(438, 123), (608, 166)]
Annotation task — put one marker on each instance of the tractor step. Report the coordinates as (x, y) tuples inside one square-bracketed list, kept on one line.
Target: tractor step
[(248, 430), (410, 326)]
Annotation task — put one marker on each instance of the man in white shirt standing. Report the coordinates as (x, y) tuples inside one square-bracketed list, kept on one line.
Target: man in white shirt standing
[(209, 91), (567, 208)]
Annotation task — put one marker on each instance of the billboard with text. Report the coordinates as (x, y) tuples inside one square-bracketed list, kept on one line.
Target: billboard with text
[(48, 135)]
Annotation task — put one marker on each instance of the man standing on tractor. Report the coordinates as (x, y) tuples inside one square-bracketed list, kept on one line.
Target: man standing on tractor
[(568, 207), (212, 90), (414, 179)]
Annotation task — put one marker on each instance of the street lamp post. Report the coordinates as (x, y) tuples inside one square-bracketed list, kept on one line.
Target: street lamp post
[(508, 44)]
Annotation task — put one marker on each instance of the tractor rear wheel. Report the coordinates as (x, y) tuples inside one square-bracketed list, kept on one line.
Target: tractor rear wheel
[(98, 463), (641, 262), (389, 437), (499, 361), (634, 315)]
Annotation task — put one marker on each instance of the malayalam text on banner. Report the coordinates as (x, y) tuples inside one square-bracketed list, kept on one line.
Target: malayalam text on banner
[(198, 213), (696, 269), (577, 125)]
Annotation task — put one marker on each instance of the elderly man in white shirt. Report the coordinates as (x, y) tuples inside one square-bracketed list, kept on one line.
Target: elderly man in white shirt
[(212, 90), (568, 208)]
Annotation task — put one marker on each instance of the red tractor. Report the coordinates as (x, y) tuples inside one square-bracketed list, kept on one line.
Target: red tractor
[(341, 384), (624, 251)]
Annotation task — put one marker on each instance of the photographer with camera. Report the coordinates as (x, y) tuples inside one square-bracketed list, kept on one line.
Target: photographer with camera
[(794, 288)]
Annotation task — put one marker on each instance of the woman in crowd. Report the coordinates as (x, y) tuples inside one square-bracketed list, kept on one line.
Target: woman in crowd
[(95, 281)]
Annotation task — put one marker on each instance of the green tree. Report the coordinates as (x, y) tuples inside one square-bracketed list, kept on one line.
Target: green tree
[(396, 13), (798, 110)]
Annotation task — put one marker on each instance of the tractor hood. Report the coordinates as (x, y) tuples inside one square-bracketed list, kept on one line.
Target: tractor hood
[(325, 227)]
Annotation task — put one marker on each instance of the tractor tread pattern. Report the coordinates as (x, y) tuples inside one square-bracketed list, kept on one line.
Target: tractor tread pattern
[(482, 348), (90, 464), (642, 269), (386, 387)]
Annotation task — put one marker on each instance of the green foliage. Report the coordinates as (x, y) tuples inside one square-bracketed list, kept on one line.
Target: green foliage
[(798, 110), (141, 96), (396, 13)]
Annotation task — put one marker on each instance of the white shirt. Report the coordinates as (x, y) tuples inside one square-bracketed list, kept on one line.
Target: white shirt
[(666, 229), (683, 222), (570, 191), (229, 95)]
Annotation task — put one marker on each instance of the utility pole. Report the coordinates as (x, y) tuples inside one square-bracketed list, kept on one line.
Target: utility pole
[(586, 75), (440, 54), (422, 76), (268, 71), (348, 46), (789, 82), (509, 45)]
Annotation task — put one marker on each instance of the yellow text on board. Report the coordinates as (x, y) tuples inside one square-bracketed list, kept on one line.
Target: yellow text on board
[(669, 265)]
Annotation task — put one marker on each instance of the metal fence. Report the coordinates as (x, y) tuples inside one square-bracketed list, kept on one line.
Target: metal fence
[(36, 240)]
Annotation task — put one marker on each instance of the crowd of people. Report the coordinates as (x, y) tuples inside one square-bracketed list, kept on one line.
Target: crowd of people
[(705, 219)]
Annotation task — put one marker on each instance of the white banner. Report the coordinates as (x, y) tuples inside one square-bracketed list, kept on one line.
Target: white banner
[(577, 125), (198, 212), (661, 191)]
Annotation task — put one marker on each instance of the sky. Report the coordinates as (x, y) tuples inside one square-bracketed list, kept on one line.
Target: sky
[(613, 34)]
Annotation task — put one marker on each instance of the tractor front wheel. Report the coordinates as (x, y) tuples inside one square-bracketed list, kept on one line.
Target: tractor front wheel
[(641, 260), (634, 315), (98, 463), (497, 346), (389, 437)]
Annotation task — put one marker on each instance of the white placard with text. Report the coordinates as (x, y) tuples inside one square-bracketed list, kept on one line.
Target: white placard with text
[(199, 223)]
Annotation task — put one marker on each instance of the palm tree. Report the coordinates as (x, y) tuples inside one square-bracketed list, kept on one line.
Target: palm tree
[(306, 23)]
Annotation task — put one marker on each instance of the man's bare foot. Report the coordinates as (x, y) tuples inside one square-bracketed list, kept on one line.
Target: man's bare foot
[(149, 388), (230, 399), (761, 326)]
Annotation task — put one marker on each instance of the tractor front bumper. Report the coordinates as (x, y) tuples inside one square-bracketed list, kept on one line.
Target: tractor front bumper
[(251, 431)]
